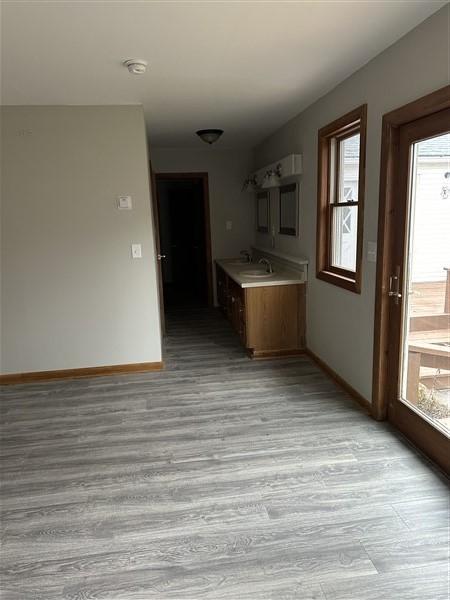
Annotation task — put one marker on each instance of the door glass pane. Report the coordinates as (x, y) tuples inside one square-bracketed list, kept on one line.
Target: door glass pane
[(343, 237), (425, 378), (349, 169)]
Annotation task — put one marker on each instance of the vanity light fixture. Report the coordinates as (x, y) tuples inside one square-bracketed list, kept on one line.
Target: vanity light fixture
[(250, 184), (274, 174), (272, 177), (136, 66), (209, 136)]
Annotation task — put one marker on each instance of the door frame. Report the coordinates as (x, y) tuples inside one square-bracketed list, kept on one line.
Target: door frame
[(156, 234), (203, 177), (389, 191)]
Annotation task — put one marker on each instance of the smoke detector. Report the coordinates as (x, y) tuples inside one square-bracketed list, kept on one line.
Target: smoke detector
[(137, 66)]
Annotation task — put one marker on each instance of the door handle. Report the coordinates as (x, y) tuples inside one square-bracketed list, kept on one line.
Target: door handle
[(160, 256), (394, 286)]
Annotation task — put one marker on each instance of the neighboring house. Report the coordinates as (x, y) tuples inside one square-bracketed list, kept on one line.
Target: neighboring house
[(432, 211), (348, 223)]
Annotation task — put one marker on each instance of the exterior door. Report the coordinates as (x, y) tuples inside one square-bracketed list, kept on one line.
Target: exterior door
[(418, 384)]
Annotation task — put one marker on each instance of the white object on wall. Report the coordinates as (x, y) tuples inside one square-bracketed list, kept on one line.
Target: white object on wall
[(136, 250), (124, 203)]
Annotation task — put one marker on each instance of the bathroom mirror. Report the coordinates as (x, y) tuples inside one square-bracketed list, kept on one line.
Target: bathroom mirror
[(262, 212), (289, 209)]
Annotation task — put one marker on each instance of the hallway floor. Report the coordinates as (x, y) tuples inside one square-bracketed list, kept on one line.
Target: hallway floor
[(218, 478)]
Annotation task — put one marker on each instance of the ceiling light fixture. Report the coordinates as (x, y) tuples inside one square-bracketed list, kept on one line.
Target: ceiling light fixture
[(137, 66), (209, 136)]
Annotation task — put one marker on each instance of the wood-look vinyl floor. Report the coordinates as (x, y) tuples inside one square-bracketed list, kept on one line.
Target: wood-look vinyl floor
[(218, 478)]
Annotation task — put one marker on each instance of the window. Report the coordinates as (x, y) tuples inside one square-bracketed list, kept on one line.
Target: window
[(342, 148)]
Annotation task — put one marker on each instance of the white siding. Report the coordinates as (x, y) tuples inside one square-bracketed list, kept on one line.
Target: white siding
[(431, 243)]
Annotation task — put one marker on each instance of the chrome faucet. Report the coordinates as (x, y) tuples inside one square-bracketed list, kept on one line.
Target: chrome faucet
[(268, 264), (246, 254)]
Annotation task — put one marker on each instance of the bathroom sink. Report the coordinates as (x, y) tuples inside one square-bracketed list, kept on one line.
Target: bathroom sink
[(256, 273)]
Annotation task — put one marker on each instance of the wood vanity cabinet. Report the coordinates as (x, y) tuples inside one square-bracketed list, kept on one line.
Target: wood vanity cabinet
[(236, 309), (270, 320), (222, 292)]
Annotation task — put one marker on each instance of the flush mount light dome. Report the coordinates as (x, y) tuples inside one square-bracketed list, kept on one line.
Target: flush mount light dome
[(209, 136), (137, 66)]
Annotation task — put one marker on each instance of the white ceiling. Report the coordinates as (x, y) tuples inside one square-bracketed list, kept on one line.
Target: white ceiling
[(246, 67)]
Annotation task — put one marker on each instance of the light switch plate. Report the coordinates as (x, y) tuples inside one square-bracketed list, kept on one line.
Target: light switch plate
[(136, 250), (229, 225), (124, 203)]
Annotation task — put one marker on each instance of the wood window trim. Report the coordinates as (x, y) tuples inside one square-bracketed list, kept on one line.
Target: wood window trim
[(340, 129)]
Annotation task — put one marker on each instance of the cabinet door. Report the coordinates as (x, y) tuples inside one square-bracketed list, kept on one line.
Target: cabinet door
[(221, 288), (237, 310), (273, 318), (234, 309), (242, 330)]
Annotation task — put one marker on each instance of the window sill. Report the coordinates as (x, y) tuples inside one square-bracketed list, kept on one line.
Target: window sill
[(348, 283)]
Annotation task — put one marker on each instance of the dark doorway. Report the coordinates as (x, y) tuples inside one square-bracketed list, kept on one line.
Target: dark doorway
[(185, 239)]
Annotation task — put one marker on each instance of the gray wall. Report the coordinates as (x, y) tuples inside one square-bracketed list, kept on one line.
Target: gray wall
[(71, 294), (340, 323), (227, 170)]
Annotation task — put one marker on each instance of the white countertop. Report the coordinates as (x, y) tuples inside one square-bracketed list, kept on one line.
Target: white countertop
[(236, 270)]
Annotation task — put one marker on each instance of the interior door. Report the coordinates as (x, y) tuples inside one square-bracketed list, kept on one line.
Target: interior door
[(419, 288), (186, 222)]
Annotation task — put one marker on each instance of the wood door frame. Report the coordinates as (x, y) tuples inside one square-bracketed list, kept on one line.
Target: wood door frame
[(203, 177), (155, 211), (389, 192)]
